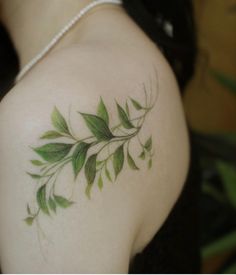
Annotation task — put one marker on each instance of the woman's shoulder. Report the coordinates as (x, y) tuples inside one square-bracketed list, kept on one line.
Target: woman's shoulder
[(110, 68), (116, 114)]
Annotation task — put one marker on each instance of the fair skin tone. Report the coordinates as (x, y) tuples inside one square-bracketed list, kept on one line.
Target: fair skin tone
[(106, 55)]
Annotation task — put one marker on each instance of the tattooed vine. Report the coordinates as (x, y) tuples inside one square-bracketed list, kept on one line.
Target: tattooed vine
[(100, 156)]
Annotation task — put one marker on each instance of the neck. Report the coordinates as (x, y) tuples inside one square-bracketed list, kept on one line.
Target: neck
[(32, 24)]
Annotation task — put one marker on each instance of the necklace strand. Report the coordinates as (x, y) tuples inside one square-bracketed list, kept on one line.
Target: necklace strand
[(60, 34)]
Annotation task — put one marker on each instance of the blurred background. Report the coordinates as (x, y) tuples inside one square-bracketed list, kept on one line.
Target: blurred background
[(198, 38), (210, 104)]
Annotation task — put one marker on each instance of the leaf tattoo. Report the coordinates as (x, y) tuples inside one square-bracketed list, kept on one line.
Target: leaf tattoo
[(90, 169), (124, 119), (59, 122), (53, 152), (102, 111), (92, 154), (98, 127), (79, 157), (118, 160)]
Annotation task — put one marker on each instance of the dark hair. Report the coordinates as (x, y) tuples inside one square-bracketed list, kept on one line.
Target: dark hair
[(170, 25)]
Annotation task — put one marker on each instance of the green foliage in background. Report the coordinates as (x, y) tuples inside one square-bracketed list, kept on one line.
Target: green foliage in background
[(218, 164)]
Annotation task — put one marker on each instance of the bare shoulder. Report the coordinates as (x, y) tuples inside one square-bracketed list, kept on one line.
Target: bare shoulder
[(94, 153)]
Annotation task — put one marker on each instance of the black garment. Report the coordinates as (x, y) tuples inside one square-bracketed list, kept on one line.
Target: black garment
[(175, 248)]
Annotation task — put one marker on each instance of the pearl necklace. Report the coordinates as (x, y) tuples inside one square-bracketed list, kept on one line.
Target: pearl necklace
[(60, 34)]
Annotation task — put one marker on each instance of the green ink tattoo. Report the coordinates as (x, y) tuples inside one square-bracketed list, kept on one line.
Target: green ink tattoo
[(101, 155)]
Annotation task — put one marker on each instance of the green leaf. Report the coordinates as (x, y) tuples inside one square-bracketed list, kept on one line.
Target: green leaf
[(108, 175), (136, 104), (90, 169), (41, 199), (51, 135), (29, 220), (219, 246), (37, 162), (148, 144), (98, 127), (212, 191), (99, 162), (226, 81), (118, 160), (28, 210), (127, 109), (230, 269), (79, 156), (100, 183), (88, 190), (37, 176), (142, 155), (102, 111), (34, 176), (131, 162), (150, 164), (124, 118), (228, 175), (53, 152), (52, 204), (62, 202), (59, 122)]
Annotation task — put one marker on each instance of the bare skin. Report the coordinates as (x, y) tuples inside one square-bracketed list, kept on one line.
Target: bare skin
[(106, 55), (26, 29)]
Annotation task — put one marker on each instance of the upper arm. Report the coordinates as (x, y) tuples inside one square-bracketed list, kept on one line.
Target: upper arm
[(101, 233)]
